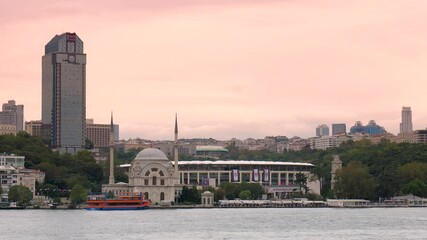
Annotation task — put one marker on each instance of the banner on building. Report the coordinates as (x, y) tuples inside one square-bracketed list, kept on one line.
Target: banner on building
[(235, 175), (256, 175), (205, 182), (266, 175)]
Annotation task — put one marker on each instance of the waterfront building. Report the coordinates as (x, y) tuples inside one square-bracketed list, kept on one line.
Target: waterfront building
[(151, 173), (8, 178), (339, 128), (322, 130), (406, 124), (64, 92), (12, 114), (12, 160)]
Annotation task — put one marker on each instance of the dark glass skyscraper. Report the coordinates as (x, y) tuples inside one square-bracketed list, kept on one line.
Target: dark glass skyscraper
[(64, 92)]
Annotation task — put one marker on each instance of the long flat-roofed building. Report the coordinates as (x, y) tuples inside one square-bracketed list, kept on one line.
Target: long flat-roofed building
[(278, 178)]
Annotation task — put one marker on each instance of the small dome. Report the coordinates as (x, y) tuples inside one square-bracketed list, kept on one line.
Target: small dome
[(151, 154)]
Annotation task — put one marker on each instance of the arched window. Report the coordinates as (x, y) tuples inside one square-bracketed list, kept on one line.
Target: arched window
[(162, 196), (154, 180), (147, 173), (161, 173)]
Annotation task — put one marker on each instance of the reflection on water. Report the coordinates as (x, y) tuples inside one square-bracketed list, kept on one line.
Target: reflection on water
[(313, 223)]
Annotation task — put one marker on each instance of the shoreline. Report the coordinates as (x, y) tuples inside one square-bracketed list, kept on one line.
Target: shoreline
[(219, 207)]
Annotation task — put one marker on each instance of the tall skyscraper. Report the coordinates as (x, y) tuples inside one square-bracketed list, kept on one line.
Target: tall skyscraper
[(64, 92), (339, 128), (12, 114), (322, 130), (406, 124)]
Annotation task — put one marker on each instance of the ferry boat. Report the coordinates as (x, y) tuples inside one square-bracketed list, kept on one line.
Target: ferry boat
[(128, 201)]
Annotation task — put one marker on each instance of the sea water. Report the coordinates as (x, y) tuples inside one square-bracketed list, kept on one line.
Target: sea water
[(242, 223)]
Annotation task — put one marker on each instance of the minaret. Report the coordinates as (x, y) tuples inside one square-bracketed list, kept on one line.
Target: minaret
[(175, 153), (111, 179), (336, 165)]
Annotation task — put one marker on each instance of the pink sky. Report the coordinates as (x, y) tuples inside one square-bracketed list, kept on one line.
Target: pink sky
[(229, 68)]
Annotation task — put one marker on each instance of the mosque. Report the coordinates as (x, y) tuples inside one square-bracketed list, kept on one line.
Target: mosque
[(151, 173), (162, 180)]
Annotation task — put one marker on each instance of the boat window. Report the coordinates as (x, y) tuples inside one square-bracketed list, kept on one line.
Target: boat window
[(147, 173), (154, 180), (162, 196), (161, 173)]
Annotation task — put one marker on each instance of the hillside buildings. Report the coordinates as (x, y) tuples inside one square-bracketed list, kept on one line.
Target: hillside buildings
[(11, 118), (64, 92)]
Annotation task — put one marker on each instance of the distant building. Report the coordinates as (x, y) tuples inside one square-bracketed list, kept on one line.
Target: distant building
[(210, 151), (7, 129), (12, 114), (34, 128), (99, 134), (339, 128), (325, 142), (371, 128), (322, 130), (406, 124), (64, 92)]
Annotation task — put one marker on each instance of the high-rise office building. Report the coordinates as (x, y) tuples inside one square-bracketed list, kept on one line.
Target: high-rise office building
[(64, 92), (339, 128), (322, 130), (12, 114), (406, 124)]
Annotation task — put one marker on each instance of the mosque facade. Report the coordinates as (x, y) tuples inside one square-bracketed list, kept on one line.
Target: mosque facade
[(150, 173)]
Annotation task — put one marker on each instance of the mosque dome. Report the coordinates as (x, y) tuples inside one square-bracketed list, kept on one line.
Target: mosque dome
[(151, 154)]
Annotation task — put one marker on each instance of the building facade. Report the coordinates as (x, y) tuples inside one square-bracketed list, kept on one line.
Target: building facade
[(406, 124), (339, 128), (64, 92), (7, 129), (371, 128), (99, 134), (12, 114)]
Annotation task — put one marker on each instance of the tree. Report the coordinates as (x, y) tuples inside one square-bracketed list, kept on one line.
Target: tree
[(416, 187), (78, 194), (20, 194), (189, 195), (245, 195), (414, 170), (301, 180), (354, 181)]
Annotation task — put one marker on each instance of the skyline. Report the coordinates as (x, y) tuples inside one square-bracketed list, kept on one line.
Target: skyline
[(240, 69)]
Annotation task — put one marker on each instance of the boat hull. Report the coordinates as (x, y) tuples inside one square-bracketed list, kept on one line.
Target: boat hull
[(112, 208)]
